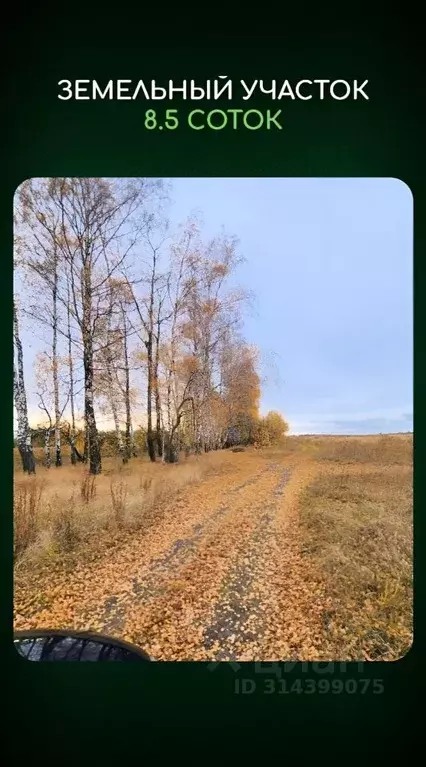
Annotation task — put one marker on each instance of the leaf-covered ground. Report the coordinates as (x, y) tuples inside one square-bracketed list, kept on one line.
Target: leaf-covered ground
[(223, 573)]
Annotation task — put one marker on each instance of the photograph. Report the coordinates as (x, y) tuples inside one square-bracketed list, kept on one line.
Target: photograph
[(213, 419)]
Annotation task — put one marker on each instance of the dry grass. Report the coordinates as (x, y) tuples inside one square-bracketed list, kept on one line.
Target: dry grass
[(329, 579), (118, 501), (63, 510), (87, 487), (357, 527), (395, 449), (27, 511), (381, 448)]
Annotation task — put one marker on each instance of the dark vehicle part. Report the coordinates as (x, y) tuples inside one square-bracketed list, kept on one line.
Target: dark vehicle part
[(53, 645)]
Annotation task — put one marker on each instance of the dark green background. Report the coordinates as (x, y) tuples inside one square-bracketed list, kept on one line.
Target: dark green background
[(47, 137)]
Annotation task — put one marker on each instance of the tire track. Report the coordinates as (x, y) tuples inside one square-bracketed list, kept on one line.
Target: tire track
[(293, 598), (219, 575), (79, 598), (159, 574), (238, 615), (171, 626)]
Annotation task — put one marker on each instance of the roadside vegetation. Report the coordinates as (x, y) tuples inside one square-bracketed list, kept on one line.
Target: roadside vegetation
[(356, 523)]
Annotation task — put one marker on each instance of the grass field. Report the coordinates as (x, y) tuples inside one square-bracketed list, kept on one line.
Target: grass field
[(303, 551), (357, 527)]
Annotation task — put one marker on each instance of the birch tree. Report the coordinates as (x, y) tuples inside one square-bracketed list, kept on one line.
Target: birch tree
[(71, 432), (125, 341), (23, 437), (112, 285), (107, 361), (48, 402), (147, 295), (42, 264), (86, 218)]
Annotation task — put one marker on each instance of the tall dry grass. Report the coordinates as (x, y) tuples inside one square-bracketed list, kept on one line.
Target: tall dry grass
[(118, 492), (27, 508), (357, 529), (395, 449), (64, 510)]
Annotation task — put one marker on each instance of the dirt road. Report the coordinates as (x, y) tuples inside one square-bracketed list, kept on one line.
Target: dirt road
[(219, 576)]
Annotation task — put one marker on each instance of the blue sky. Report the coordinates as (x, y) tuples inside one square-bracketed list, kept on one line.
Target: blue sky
[(330, 262)]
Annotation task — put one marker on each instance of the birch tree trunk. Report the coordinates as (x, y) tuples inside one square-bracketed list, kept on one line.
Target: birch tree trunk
[(24, 432), (150, 435), (58, 457), (128, 438), (92, 436), (158, 433), (47, 458), (71, 377), (93, 446)]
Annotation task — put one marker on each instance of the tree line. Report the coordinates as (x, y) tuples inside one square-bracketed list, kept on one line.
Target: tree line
[(131, 316)]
